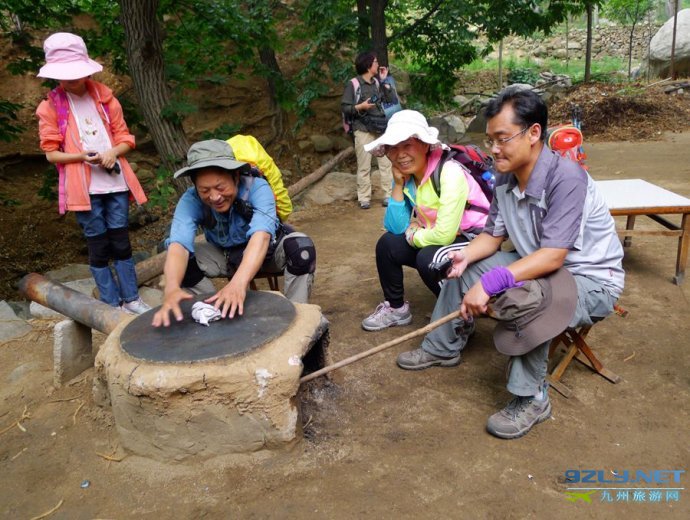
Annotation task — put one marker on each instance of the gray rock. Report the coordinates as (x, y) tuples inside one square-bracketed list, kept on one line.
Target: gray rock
[(659, 59), (303, 145), (478, 124), (334, 186), (23, 370), (145, 175), (460, 100), (341, 142), (322, 143), (69, 272), (11, 326), (21, 309), (152, 296), (457, 124)]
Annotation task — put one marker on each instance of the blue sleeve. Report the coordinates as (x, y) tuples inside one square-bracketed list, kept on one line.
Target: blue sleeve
[(188, 216), (397, 216), (262, 200)]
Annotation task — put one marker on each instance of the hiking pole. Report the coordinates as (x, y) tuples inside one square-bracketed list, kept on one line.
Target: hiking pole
[(383, 346)]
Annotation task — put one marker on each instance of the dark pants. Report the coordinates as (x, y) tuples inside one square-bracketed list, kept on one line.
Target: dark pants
[(392, 253)]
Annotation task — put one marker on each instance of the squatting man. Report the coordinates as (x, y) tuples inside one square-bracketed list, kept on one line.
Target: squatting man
[(237, 213)]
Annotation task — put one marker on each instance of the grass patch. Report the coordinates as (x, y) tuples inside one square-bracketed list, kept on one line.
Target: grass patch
[(608, 69)]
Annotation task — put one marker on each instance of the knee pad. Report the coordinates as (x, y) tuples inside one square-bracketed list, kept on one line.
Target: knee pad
[(193, 274), (99, 250), (119, 243), (300, 255)]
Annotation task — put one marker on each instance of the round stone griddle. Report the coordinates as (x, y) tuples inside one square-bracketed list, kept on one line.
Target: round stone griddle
[(266, 316)]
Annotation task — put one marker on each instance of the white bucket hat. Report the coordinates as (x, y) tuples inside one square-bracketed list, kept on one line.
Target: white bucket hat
[(403, 125)]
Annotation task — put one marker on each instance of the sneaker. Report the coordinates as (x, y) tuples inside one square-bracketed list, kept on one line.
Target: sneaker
[(384, 202), (419, 359), (137, 306), (518, 417), (364, 205), (386, 316)]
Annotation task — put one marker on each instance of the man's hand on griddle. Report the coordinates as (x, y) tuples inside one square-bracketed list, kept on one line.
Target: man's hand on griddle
[(230, 299), (171, 302)]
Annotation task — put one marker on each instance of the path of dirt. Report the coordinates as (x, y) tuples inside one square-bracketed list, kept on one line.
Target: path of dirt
[(385, 443)]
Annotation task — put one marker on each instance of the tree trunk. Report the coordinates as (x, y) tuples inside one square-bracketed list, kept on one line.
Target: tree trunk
[(144, 43), (630, 50), (363, 40), (672, 72), (274, 78), (588, 52), (500, 64), (379, 39)]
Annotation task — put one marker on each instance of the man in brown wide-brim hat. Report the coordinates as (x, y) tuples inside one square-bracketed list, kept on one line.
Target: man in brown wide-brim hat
[(566, 269)]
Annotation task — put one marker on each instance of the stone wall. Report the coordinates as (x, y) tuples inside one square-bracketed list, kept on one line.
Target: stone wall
[(608, 40)]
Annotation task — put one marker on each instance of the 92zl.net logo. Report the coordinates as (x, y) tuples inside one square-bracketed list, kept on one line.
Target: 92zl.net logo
[(636, 486)]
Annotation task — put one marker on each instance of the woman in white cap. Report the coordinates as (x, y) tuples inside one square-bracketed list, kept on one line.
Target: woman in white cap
[(83, 132), (419, 221)]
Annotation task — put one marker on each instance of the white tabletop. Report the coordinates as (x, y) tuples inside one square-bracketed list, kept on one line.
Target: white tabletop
[(637, 193)]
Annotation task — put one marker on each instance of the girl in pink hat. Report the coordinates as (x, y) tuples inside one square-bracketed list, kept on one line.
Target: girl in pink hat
[(83, 132)]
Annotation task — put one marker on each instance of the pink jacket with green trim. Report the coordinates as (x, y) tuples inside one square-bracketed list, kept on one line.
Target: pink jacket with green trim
[(78, 174)]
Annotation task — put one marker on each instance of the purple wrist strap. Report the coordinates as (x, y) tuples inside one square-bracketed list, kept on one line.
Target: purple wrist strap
[(498, 280)]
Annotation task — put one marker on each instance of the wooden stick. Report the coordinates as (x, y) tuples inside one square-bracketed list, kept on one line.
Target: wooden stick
[(18, 454), (48, 513), (319, 172), (347, 361), (111, 458), (66, 399), (74, 417), (18, 422)]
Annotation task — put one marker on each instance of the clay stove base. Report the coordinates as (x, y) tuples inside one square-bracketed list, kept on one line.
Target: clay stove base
[(174, 412)]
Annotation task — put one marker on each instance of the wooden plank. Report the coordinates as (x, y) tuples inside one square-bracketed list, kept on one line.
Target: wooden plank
[(647, 232)]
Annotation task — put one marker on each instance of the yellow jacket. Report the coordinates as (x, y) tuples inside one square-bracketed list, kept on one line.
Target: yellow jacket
[(246, 148)]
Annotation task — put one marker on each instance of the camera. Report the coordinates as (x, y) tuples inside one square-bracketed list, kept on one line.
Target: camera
[(114, 169), (440, 269)]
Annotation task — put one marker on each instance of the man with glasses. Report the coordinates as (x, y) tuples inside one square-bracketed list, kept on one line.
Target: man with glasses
[(553, 213), (362, 106)]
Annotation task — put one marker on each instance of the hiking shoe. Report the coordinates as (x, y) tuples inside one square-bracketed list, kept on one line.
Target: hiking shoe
[(518, 417), (419, 359), (364, 205), (137, 306), (386, 316)]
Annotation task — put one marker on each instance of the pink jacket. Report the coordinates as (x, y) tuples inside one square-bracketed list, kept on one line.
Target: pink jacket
[(78, 174)]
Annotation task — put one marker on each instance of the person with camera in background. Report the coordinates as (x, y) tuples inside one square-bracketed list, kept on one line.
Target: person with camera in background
[(362, 109)]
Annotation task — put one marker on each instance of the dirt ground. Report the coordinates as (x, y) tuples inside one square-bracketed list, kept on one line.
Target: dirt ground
[(381, 442)]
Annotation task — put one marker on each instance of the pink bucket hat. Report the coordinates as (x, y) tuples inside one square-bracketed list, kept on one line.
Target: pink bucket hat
[(66, 58)]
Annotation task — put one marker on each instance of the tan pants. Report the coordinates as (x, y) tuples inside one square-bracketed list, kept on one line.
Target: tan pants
[(364, 168)]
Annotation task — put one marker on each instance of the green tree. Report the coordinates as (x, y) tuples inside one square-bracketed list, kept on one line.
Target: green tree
[(630, 13), (440, 36)]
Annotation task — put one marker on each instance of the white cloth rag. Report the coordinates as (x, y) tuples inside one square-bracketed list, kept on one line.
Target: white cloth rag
[(205, 313)]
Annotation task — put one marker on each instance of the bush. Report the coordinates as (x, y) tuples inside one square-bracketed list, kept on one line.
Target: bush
[(523, 75)]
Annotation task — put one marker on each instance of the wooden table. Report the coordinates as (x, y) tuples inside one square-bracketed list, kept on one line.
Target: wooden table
[(633, 197)]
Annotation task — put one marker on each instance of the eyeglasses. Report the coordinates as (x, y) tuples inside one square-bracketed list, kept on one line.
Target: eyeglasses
[(500, 143)]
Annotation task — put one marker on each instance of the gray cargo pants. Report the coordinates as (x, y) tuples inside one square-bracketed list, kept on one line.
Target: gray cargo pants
[(526, 372)]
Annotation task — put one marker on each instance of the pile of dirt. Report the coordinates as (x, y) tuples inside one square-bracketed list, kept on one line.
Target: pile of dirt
[(631, 113)]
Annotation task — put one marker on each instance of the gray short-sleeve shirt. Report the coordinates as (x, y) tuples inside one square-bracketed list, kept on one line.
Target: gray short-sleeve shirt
[(561, 207)]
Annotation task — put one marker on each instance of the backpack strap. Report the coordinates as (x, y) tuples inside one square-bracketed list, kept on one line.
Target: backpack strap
[(356, 88), (436, 180), (59, 99)]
